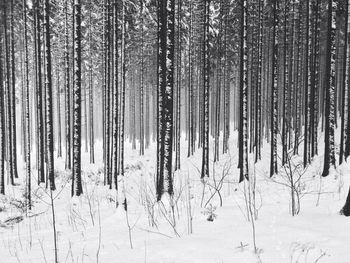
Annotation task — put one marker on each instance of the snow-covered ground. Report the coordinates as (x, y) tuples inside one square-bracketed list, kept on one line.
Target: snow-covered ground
[(91, 229)]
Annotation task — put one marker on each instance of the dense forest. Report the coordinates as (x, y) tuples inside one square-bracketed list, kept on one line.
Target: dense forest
[(192, 97)]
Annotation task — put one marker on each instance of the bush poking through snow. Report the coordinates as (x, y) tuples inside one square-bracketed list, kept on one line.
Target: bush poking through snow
[(10, 221), (210, 213)]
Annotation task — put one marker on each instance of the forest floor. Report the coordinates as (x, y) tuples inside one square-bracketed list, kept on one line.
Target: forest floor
[(91, 229)]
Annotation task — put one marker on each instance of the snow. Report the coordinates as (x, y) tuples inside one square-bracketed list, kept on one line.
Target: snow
[(91, 223)]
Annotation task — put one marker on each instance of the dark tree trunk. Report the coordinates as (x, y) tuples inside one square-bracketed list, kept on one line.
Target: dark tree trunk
[(122, 99), (329, 158), (346, 209), (58, 91), (12, 100), (49, 105), (115, 97), (2, 121), (27, 113), (7, 92), (274, 92), (77, 185), (206, 73), (39, 100), (91, 94), (345, 91)]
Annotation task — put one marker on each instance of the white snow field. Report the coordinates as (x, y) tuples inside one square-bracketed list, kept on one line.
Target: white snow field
[(91, 229)]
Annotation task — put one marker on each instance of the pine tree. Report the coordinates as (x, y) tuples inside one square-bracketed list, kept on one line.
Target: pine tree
[(190, 89), (142, 89), (178, 87), (243, 120), (2, 120), (7, 91), (49, 104), (329, 158), (274, 91), (12, 100), (345, 13), (166, 41), (122, 100), (27, 107), (68, 163), (307, 87), (206, 73), (58, 93), (77, 185), (168, 95), (91, 89), (115, 98), (258, 124), (39, 97)]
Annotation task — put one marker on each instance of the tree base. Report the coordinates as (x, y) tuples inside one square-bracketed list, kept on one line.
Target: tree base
[(346, 209), (345, 212)]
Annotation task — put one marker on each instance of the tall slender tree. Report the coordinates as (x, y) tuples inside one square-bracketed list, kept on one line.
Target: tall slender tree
[(274, 91), (116, 95), (12, 100), (49, 104), (39, 97), (243, 90), (166, 41), (206, 73), (77, 184), (329, 86), (27, 107), (2, 119), (91, 90)]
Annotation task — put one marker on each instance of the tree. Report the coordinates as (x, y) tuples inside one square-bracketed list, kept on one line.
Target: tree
[(178, 88), (8, 97), (76, 183), (142, 89), (91, 89), (166, 40), (68, 162), (58, 94), (345, 5), (12, 99), (274, 91), (2, 121), (243, 118), (122, 100), (49, 104), (191, 113), (39, 96), (206, 73), (307, 85), (329, 158), (27, 107), (346, 209), (115, 98)]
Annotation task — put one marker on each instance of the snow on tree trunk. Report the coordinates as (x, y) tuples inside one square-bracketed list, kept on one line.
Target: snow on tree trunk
[(115, 96), (329, 158), (49, 104), (12, 100), (206, 73), (2, 122), (77, 101), (274, 91), (39, 99)]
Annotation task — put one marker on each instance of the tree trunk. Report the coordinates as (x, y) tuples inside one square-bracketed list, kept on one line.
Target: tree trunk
[(77, 185), (329, 158), (49, 105)]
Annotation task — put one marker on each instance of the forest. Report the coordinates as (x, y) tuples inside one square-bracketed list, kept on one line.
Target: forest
[(174, 131)]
